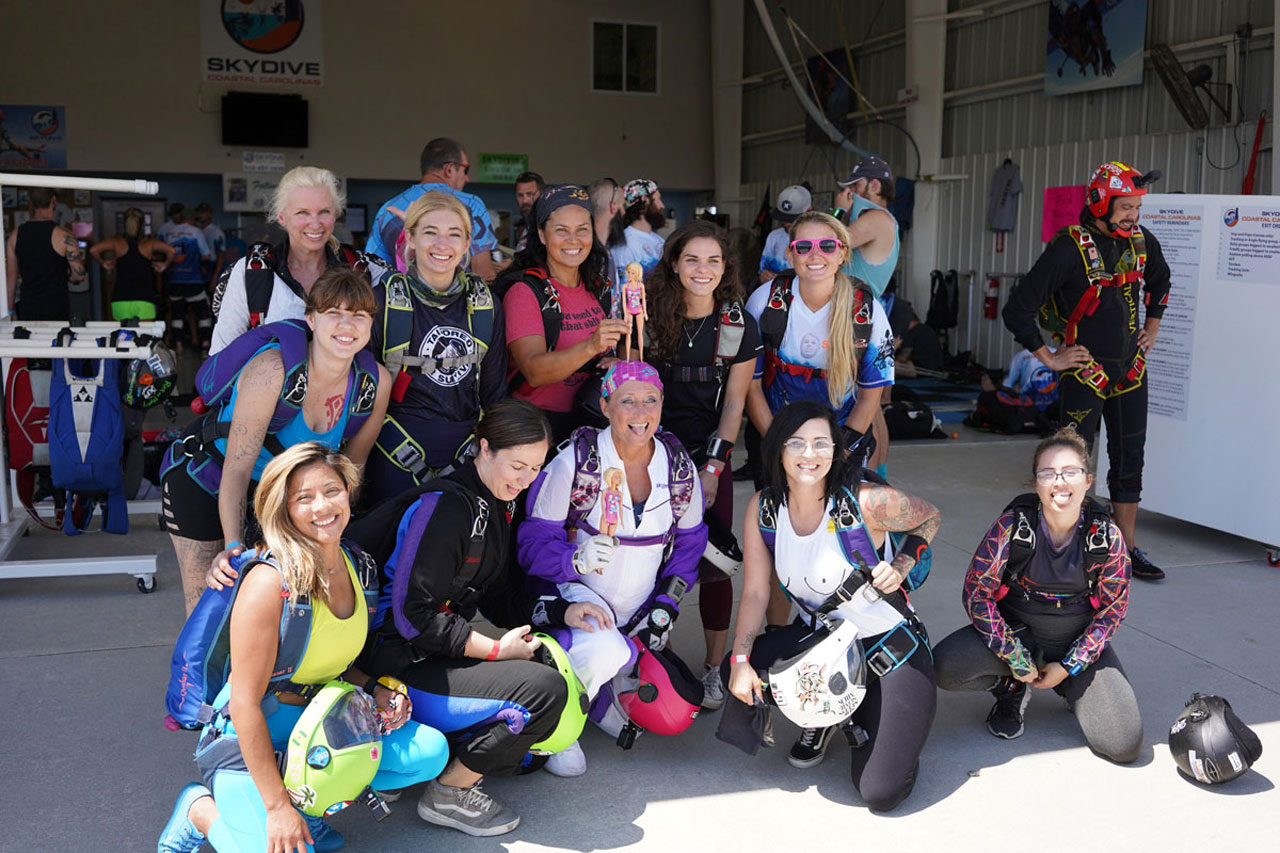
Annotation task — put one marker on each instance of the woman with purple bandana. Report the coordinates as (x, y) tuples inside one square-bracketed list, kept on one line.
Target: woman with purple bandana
[(640, 572)]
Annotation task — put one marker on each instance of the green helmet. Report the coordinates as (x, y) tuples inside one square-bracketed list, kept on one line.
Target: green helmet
[(574, 715), (334, 750)]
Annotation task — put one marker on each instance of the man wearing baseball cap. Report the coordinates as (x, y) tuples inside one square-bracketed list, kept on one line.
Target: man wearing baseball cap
[(643, 215), (791, 202), (873, 232)]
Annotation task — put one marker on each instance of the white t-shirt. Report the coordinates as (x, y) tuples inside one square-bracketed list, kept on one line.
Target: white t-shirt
[(806, 339), (774, 257), (812, 567), (643, 247), (632, 573)]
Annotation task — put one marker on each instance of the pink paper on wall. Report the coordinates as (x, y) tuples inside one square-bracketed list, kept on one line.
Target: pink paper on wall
[(1061, 208)]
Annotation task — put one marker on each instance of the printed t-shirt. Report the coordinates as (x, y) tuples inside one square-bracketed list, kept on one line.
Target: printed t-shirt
[(580, 313)]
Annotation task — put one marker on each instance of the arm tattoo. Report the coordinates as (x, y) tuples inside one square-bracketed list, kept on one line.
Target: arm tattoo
[(75, 258), (896, 511)]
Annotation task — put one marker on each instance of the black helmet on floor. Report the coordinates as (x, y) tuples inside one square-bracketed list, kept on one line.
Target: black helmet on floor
[(1210, 743), (147, 381)]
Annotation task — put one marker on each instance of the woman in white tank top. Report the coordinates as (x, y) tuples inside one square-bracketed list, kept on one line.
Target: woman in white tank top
[(806, 474)]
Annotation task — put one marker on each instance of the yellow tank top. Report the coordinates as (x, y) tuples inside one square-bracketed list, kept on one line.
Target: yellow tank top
[(333, 643)]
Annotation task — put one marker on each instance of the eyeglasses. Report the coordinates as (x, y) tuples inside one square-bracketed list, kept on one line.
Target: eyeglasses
[(820, 446), (466, 167), (826, 247), (1048, 476)]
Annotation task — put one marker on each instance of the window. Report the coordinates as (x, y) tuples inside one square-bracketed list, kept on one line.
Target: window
[(624, 57)]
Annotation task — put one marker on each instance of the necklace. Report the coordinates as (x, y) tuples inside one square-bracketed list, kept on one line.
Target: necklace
[(696, 332)]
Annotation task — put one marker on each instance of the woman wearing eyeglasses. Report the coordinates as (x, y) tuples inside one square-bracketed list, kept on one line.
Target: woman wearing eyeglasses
[(1047, 589), (825, 336), (821, 529)]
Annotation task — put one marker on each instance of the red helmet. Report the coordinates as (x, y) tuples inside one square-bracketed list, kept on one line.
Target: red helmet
[(668, 697), (1110, 181)]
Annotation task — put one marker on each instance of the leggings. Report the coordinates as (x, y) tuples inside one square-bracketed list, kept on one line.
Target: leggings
[(715, 597), (411, 754), (491, 711), (896, 713), (1126, 417), (1100, 696)]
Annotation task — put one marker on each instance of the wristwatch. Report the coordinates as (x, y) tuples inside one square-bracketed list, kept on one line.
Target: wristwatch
[(660, 618)]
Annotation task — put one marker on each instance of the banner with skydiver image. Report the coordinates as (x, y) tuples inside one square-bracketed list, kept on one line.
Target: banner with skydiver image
[(1094, 44), (32, 137)]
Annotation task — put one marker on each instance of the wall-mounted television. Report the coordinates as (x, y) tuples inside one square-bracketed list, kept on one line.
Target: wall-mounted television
[(254, 118)]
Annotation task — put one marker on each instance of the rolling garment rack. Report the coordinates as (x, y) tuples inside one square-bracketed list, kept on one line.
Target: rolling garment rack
[(41, 344)]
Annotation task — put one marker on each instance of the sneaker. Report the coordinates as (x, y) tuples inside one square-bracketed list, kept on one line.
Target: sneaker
[(180, 834), (712, 689), (468, 810), (1143, 568), (1005, 719), (326, 838), (568, 762), (811, 748)]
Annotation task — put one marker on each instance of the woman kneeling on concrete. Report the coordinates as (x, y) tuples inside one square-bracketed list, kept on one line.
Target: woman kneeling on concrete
[(1047, 589), (857, 659)]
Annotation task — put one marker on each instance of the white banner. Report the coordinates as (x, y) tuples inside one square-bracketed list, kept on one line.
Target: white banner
[(263, 43)]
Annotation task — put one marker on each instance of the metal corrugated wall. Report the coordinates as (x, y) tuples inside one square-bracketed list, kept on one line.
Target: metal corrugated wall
[(966, 246)]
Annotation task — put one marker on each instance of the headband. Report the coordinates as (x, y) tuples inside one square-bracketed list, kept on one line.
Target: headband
[(626, 371), (561, 195)]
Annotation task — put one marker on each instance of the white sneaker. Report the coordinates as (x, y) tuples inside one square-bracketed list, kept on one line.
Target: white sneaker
[(569, 762), (712, 689)]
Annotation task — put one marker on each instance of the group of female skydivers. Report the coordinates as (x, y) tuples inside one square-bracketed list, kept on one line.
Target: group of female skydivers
[(369, 406)]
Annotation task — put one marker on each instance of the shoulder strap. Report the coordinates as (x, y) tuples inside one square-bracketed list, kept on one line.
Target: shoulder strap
[(767, 518), (773, 319), (544, 290), (586, 476), (364, 392), (259, 281), (681, 474), (1094, 267), (1022, 538), (462, 591), (729, 334), (1097, 541), (863, 313), (397, 321)]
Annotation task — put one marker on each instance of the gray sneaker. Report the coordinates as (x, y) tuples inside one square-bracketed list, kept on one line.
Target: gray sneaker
[(712, 689), (468, 810)]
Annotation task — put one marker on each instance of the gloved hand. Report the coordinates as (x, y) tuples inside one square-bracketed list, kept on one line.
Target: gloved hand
[(655, 631), (595, 554)]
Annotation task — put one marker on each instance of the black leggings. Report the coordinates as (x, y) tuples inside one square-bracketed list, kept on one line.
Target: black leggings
[(491, 711), (1100, 697), (1126, 417), (896, 713)]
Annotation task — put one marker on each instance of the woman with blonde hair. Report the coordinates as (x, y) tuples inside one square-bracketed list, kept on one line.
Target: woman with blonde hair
[(326, 586), (440, 334), (271, 283), (136, 258)]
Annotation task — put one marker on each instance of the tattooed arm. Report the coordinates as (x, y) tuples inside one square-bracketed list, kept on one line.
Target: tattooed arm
[(890, 510), (756, 570), (257, 391), (71, 250)]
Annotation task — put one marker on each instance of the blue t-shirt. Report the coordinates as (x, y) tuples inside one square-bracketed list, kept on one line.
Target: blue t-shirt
[(387, 227), (806, 342), (642, 247), (189, 249)]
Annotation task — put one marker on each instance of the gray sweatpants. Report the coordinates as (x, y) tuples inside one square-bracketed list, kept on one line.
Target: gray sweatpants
[(1100, 696)]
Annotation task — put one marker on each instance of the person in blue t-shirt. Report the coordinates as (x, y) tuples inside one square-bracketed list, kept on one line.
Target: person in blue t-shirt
[(185, 283), (445, 168)]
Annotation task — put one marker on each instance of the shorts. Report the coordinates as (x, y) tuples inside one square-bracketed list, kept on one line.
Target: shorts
[(187, 510), (143, 309)]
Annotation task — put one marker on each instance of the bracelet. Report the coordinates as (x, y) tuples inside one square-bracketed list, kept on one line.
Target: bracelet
[(739, 659), (709, 468), (236, 544), (719, 449), (493, 653), (914, 546)]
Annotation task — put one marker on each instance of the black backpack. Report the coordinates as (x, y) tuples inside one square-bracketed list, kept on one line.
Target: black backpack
[(944, 301)]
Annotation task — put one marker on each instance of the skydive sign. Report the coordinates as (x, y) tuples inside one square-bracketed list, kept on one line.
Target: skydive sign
[(265, 43)]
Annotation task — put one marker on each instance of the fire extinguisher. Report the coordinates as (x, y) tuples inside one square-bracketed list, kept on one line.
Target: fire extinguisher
[(991, 305)]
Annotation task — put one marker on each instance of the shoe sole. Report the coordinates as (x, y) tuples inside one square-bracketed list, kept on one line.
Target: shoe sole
[(431, 816), (712, 704), (806, 763), (1148, 576)]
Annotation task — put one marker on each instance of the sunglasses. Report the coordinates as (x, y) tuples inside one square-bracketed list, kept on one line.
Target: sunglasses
[(826, 247), (466, 167)]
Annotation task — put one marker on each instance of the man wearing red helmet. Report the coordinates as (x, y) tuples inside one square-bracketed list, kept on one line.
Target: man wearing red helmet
[(1087, 286)]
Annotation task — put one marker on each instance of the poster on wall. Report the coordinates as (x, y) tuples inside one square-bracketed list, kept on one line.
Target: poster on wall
[(1094, 44), (1062, 206), (32, 136), (251, 192), (262, 43)]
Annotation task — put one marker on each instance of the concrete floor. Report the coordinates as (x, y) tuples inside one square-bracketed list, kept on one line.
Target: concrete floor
[(85, 762)]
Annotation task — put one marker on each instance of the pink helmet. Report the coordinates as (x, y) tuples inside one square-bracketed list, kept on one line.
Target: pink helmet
[(668, 697)]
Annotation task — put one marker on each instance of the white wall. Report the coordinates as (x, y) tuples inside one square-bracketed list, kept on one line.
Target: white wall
[(501, 76)]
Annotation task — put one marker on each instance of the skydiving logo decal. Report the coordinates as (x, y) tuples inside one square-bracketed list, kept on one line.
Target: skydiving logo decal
[(1079, 415), (448, 342), (263, 26)]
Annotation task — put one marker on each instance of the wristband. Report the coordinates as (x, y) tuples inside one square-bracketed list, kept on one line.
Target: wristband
[(851, 437), (709, 468), (718, 449), (739, 659), (493, 652), (914, 546), (236, 544), (370, 685)]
